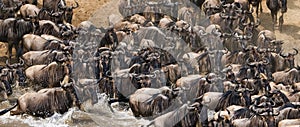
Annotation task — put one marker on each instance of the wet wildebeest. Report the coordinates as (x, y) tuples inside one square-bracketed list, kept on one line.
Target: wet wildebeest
[(45, 102)]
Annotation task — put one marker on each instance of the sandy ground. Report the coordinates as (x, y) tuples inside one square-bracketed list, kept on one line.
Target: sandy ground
[(98, 11)]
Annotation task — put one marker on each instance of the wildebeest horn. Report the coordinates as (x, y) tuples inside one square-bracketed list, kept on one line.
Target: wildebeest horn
[(5, 73), (226, 35), (202, 33), (61, 7), (8, 65), (248, 62), (266, 61), (249, 36), (258, 22), (250, 90), (276, 114), (225, 50), (76, 5), (228, 111), (216, 31), (85, 60), (219, 115), (21, 62), (236, 35), (296, 52), (226, 5), (283, 55), (153, 75), (222, 15), (237, 5)]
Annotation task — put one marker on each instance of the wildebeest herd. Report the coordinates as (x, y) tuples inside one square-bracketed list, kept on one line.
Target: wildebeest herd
[(170, 64)]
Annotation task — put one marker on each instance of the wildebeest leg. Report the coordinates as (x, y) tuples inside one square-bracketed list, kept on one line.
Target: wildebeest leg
[(18, 50), (7, 87), (10, 46), (281, 21), (274, 17), (204, 116), (259, 3)]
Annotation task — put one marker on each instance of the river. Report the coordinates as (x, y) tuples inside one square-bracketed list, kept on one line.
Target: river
[(99, 114)]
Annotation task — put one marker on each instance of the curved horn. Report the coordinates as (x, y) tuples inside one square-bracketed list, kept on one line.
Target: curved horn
[(222, 15), (8, 65), (296, 52), (226, 50), (226, 5), (219, 116), (276, 114), (61, 7), (85, 60), (21, 62), (228, 111), (154, 75), (5, 73), (250, 64), (76, 5), (249, 36), (237, 5), (202, 33), (266, 61), (258, 22), (283, 55)]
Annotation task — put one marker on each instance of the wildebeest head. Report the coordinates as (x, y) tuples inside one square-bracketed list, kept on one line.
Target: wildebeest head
[(56, 17), (144, 80), (110, 39), (154, 60), (9, 12), (290, 57), (278, 97), (236, 97), (69, 12)]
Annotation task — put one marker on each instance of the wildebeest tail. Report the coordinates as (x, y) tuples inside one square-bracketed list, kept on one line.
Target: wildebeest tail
[(8, 109)]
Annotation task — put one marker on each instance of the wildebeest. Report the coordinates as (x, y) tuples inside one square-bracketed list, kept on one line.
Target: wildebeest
[(8, 12), (184, 116), (50, 75), (148, 102), (110, 40), (59, 9), (44, 103), (31, 42), (53, 5), (257, 4), (5, 87), (275, 6), (12, 30), (289, 123), (286, 77), (43, 57), (211, 7)]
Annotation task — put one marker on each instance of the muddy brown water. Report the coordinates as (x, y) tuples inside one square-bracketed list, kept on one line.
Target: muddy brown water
[(100, 114)]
